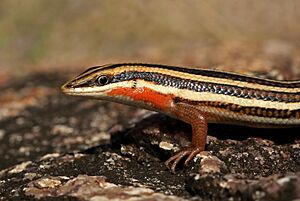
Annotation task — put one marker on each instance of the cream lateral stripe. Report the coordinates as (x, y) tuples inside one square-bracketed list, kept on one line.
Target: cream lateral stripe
[(200, 78), (190, 95)]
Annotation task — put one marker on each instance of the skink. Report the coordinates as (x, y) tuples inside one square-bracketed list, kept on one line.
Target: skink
[(195, 96)]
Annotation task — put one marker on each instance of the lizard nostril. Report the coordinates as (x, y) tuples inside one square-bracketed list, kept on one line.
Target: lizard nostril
[(72, 85)]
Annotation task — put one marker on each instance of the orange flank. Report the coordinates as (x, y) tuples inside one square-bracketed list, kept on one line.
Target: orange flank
[(156, 99)]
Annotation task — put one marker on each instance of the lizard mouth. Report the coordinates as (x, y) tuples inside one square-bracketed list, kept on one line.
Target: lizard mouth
[(81, 89)]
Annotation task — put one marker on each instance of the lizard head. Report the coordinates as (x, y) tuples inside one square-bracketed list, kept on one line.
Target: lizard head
[(94, 81), (132, 84)]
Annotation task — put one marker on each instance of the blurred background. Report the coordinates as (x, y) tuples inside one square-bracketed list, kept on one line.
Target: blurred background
[(48, 34)]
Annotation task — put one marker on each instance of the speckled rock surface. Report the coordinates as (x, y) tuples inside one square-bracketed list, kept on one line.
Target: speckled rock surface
[(54, 147)]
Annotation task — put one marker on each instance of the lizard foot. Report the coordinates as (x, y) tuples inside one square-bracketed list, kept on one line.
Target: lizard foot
[(190, 152)]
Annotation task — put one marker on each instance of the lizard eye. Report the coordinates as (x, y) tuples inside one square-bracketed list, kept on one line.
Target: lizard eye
[(102, 80)]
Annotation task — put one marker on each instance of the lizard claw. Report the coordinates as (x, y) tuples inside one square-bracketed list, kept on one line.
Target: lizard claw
[(190, 152)]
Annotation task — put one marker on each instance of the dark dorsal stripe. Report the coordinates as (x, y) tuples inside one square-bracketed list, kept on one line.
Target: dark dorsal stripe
[(212, 73), (91, 69)]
